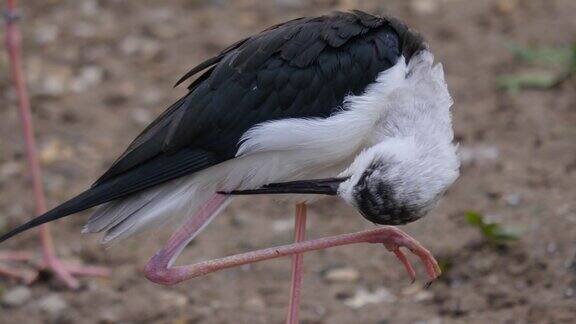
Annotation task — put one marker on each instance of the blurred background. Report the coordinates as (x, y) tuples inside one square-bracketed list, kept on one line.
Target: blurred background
[(505, 234)]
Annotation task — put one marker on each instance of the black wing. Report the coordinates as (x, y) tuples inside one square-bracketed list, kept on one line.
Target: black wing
[(301, 68)]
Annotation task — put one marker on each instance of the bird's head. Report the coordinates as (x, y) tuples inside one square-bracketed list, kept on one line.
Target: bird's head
[(399, 180)]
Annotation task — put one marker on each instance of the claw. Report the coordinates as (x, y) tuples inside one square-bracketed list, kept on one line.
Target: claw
[(393, 241), (404, 260)]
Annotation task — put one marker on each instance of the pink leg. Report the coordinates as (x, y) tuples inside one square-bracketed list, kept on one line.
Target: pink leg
[(160, 270), (13, 43), (30, 272), (297, 266)]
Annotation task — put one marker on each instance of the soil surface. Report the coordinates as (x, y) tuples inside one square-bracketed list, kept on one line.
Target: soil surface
[(99, 71)]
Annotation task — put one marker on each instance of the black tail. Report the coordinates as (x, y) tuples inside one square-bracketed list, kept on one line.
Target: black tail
[(158, 170), (83, 201)]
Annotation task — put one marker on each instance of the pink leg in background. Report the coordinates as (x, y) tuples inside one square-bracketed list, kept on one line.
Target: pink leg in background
[(50, 261), (297, 266)]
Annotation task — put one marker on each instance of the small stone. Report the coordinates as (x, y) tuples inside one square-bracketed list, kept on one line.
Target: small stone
[(480, 153), (10, 169), (423, 296), (363, 297), (165, 31), (424, 7), (174, 299), (89, 7), (434, 320), (88, 77), (341, 275), (53, 151), (48, 79), (141, 116), (85, 30), (255, 303), (17, 296), (292, 4), (46, 34), (282, 225), (417, 293), (53, 305), (108, 316), (135, 45), (151, 97), (551, 248), (513, 199), (506, 6)]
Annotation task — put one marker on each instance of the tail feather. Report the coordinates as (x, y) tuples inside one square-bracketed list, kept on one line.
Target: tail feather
[(77, 204)]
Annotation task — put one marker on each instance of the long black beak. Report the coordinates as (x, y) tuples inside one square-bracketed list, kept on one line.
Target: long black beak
[(318, 187)]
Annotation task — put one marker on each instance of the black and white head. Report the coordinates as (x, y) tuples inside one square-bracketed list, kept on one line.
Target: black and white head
[(399, 181)]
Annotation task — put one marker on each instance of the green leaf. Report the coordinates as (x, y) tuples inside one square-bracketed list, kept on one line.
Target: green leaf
[(474, 219), (555, 56), (516, 82), (492, 233)]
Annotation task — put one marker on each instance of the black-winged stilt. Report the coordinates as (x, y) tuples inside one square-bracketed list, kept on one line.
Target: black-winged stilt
[(349, 98)]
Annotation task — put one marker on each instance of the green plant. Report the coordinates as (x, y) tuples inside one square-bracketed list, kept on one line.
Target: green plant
[(493, 233), (557, 57)]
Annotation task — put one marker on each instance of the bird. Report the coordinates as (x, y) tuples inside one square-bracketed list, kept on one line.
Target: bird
[(351, 99)]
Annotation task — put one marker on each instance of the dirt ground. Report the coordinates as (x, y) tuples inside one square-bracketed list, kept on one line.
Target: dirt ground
[(99, 71)]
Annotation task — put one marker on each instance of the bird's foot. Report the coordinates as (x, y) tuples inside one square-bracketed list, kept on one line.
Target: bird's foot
[(24, 267), (394, 238), (67, 272)]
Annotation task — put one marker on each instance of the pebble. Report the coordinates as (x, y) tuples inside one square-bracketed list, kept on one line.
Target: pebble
[(53, 305), (85, 30), (46, 34), (480, 153), (135, 45), (151, 96), (17, 296), (48, 79), (292, 4), (417, 293), (506, 6), (10, 169), (174, 299), (434, 320), (282, 225), (255, 303), (342, 275), (88, 77), (363, 297), (54, 150), (513, 199), (141, 116), (424, 7), (89, 7)]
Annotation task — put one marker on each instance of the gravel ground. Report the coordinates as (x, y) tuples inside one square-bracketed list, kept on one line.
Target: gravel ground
[(99, 71)]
